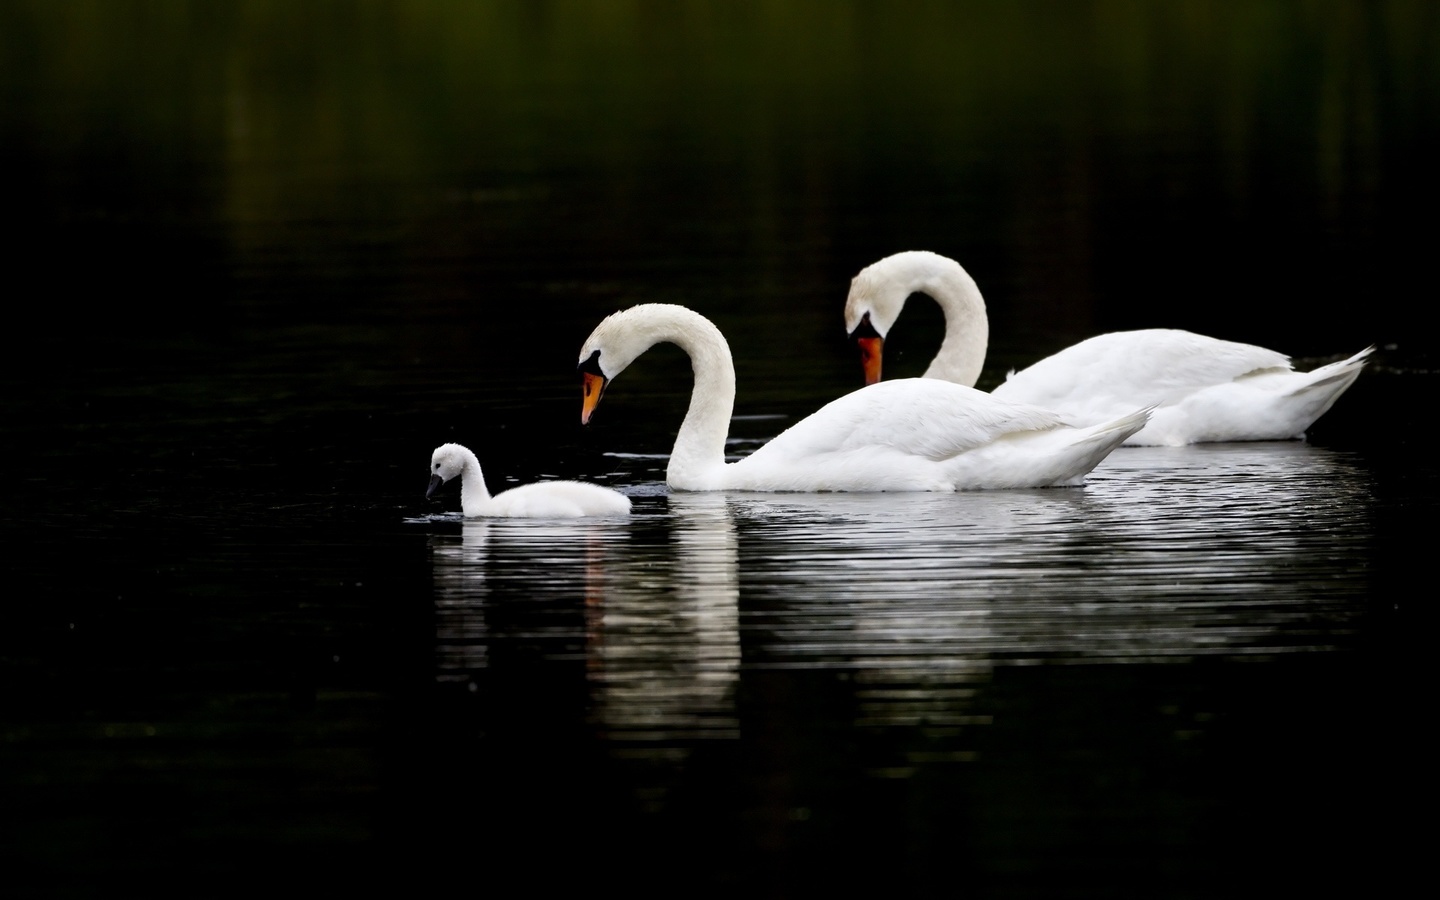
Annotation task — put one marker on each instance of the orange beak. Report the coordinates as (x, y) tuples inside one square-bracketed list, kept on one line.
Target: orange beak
[(870, 351), (594, 386)]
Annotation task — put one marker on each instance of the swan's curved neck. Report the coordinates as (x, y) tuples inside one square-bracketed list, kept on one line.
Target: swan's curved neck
[(967, 328), (474, 496), (698, 459)]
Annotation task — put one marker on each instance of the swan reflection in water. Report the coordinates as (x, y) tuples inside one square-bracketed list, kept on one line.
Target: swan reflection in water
[(664, 640), (660, 625), (1167, 555), (1167, 552)]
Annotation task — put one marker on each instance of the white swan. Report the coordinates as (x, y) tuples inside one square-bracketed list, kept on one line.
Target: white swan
[(1203, 389), (907, 435), (544, 499)]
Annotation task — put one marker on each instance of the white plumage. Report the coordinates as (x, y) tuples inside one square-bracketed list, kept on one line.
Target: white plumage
[(544, 499), (1203, 389), (906, 435)]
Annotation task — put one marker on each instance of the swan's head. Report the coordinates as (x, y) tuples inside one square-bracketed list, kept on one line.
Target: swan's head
[(878, 294), (872, 345), (874, 303), (621, 337), (446, 462), (592, 382)]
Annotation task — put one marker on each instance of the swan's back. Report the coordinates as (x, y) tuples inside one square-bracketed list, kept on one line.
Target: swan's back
[(922, 434), (1205, 389), (1123, 369), (559, 499), (920, 417)]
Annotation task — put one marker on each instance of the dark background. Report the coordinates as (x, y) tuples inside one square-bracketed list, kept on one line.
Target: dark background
[(263, 256)]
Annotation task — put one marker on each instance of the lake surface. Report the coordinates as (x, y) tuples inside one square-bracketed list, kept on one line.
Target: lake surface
[(265, 257)]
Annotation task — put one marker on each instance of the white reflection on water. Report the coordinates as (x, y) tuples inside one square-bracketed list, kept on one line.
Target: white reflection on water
[(1167, 555), (660, 633), (664, 640), (1167, 552)]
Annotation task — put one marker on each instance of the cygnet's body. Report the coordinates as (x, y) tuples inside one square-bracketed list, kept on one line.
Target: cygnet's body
[(544, 499)]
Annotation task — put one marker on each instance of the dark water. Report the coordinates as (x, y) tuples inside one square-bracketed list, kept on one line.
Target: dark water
[(264, 257)]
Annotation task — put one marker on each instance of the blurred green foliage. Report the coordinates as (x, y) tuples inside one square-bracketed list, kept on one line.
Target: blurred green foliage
[(449, 85), (596, 129)]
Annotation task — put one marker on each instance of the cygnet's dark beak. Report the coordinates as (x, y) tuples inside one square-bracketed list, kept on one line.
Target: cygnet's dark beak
[(435, 482)]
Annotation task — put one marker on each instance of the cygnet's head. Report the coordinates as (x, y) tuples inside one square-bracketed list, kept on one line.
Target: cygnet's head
[(445, 463)]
